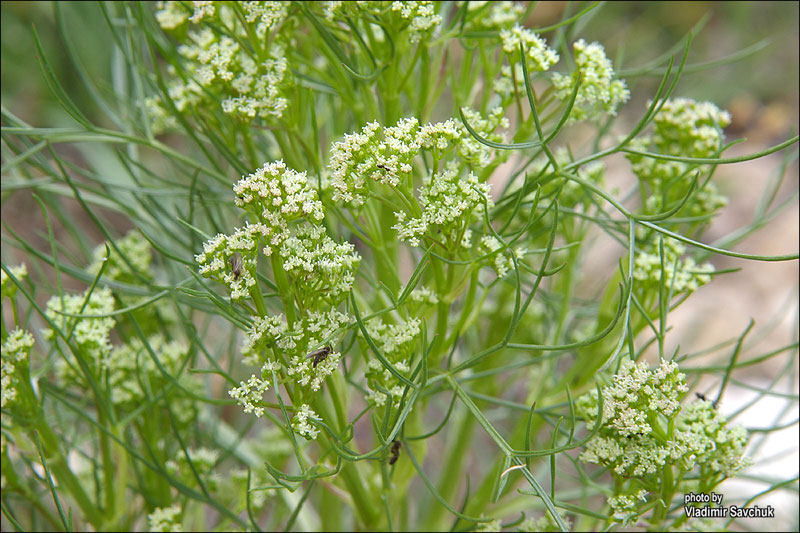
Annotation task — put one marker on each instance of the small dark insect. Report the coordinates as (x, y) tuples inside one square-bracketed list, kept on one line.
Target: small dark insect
[(319, 355), (395, 451), (236, 265), (702, 396), (380, 165)]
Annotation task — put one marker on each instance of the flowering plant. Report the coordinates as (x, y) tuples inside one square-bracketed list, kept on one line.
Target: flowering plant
[(360, 238)]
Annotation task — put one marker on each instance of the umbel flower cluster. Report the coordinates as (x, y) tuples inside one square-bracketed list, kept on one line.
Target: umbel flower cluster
[(129, 370), (687, 128), (380, 161), (216, 68), (681, 273), (645, 428), (313, 273)]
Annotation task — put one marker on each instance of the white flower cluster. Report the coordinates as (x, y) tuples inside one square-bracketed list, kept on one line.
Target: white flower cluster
[(645, 428), (509, 83), (320, 274), (686, 127), (170, 15), (91, 335), (386, 154), (682, 127), (320, 269), (164, 519), (539, 56), (599, 93), (268, 14), (8, 289), (301, 425), (130, 366), (682, 274), (381, 154), (637, 390), (135, 248), (495, 16), (203, 461), (329, 8), (202, 9), (250, 393), (703, 430), (15, 351), (396, 343), (545, 523), (501, 262), (217, 69), (470, 150), (449, 205), (421, 15), (276, 195), (394, 339), (220, 256), (625, 506), (424, 295), (310, 373), (312, 331)]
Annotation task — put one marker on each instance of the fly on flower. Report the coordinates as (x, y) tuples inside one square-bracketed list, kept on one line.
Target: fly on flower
[(320, 355), (236, 265)]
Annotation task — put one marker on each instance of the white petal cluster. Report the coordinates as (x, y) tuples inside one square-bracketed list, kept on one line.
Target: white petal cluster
[(449, 204), (424, 295), (421, 15), (215, 261), (625, 506), (396, 342), (7, 288), (276, 189), (476, 154), (137, 251), (394, 339), (704, 431), (303, 371), (501, 262), (171, 14), (644, 428), (15, 352), (386, 154), (381, 154), (301, 424), (599, 93), (217, 71), (314, 330), (202, 9), (203, 461), (686, 127), (268, 14), (263, 88), (91, 335), (130, 366), (540, 57), (681, 274), (250, 394), (496, 16), (318, 266), (164, 519)]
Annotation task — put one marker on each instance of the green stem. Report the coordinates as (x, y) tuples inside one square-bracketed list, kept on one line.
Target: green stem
[(57, 464), (284, 289)]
